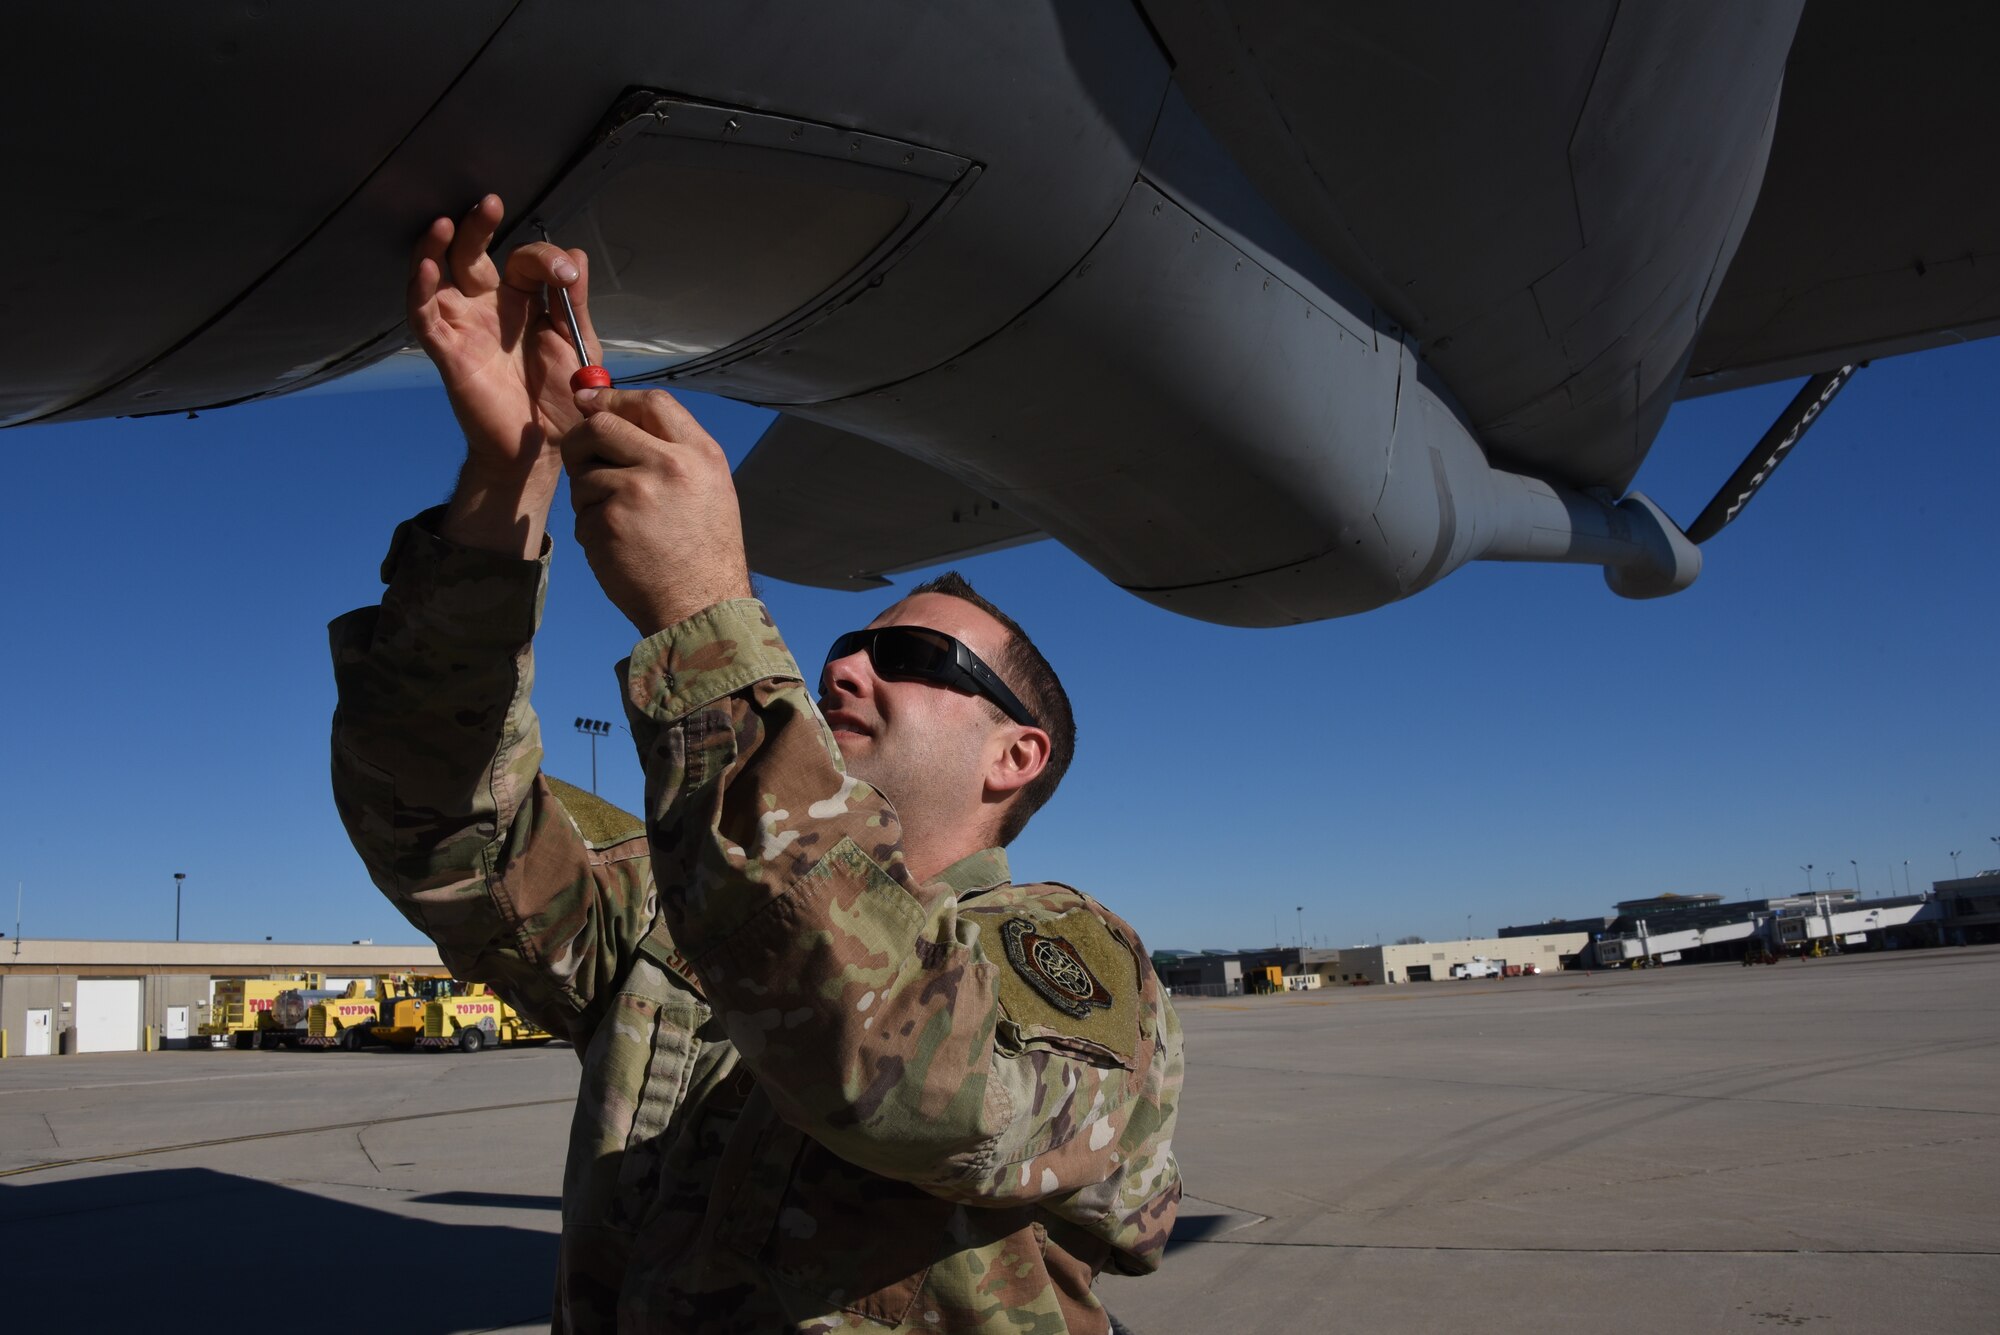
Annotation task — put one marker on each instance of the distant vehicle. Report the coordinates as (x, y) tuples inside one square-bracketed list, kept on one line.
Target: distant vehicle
[(240, 1015), (475, 1017), (1478, 967), (284, 1025), (344, 1021), (402, 1008), (1531, 970)]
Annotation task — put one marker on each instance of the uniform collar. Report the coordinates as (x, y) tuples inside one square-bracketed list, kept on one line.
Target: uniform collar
[(976, 872)]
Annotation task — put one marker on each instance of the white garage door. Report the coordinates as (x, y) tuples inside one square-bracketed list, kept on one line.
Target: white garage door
[(107, 1015)]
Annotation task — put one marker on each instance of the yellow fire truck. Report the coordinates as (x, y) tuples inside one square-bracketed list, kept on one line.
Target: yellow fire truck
[(473, 1017)]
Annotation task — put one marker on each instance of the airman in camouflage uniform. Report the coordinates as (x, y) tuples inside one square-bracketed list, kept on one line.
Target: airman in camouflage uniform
[(839, 1073)]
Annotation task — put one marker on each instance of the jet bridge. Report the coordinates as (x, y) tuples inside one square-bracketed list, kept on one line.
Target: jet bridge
[(1801, 925)]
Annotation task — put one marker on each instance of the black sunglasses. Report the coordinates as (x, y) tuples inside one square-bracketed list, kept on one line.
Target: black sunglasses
[(918, 653)]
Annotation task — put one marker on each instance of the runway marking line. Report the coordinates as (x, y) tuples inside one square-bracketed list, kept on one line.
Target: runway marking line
[(276, 1135)]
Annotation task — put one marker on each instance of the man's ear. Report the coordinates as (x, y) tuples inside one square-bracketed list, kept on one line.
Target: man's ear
[(1016, 763)]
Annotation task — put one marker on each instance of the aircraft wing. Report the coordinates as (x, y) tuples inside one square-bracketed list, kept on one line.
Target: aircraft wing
[(1878, 228), (825, 507)]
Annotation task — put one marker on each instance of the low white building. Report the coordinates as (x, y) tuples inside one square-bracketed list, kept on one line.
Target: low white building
[(1432, 961)]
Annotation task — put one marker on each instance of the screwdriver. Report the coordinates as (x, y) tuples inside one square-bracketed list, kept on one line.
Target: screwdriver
[(589, 375)]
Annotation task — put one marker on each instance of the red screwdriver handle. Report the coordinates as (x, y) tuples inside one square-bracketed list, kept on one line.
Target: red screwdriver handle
[(590, 377)]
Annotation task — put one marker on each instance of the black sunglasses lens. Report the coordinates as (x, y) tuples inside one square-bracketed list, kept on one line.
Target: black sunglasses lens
[(906, 653)]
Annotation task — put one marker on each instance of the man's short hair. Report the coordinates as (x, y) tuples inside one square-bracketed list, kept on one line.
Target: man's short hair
[(1024, 669)]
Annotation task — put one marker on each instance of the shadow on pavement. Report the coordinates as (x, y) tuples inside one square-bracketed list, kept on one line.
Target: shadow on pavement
[(1194, 1228), (188, 1250), (492, 1200)]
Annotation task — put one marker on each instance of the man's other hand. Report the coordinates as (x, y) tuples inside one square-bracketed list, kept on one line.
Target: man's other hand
[(505, 366), (655, 507)]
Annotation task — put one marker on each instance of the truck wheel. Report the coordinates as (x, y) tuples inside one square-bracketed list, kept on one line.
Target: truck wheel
[(245, 1040), (352, 1039), (471, 1040)]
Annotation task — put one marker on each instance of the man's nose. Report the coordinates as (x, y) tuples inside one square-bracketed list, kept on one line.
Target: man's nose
[(853, 674)]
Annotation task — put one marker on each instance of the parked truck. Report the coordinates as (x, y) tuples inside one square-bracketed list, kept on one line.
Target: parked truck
[(400, 1007), (285, 1024), (240, 1014), (474, 1017), (343, 1021), (1479, 967)]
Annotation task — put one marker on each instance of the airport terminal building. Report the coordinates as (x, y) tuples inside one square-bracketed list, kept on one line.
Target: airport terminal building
[(1971, 908), (122, 996), (1233, 973)]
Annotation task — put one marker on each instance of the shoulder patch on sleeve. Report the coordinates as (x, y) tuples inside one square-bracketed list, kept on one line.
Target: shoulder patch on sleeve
[(1069, 977), (599, 822)]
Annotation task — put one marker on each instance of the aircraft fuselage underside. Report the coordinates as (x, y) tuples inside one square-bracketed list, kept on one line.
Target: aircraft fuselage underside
[(1049, 255)]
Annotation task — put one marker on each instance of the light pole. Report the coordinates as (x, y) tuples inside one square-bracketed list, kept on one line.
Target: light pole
[(1857, 876), (1954, 862), (1302, 932), (1906, 878), (593, 728), (1829, 883), (179, 876), (1806, 867)]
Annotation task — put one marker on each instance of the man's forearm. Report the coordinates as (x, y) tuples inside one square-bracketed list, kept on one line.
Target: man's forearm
[(436, 766), (503, 510)]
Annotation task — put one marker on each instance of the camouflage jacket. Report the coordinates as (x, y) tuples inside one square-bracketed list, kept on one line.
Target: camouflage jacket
[(817, 1095)]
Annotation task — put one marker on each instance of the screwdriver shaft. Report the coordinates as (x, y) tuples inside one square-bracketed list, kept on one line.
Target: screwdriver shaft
[(569, 312)]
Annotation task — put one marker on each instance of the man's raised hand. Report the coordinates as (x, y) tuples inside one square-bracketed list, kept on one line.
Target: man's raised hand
[(505, 366), (656, 508)]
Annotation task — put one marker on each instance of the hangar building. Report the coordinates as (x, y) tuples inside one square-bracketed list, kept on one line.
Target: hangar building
[(103, 996)]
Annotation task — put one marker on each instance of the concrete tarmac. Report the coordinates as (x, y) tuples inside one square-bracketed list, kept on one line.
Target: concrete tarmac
[(1708, 1147)]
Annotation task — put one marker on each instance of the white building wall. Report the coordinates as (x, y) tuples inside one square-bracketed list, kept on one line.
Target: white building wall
[(1393, 964)]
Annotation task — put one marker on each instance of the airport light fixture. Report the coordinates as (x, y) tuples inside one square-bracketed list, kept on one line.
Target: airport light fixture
[(1806, 867), (1857, 876), (1906, 878), (179, 876), (1954, 862), (593, 728)]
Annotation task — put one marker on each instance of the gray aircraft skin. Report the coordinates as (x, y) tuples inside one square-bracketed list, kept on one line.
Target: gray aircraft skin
[(1272, 311)]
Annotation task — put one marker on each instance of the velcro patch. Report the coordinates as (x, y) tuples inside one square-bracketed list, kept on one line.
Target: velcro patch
[(1054, 969), (600, 823), (1070, 978)]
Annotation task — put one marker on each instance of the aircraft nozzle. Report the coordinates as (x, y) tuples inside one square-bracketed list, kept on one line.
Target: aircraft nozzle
[(1644, 554), (1658, 558)]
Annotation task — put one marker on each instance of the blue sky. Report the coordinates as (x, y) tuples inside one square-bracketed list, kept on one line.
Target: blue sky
[(1512, 745)]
